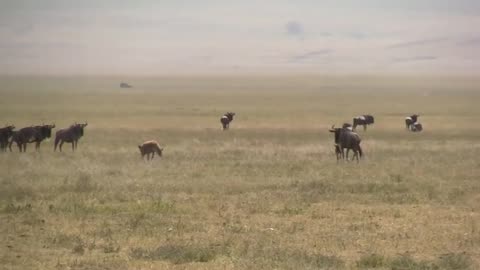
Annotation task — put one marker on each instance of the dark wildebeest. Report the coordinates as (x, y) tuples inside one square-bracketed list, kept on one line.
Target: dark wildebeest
[(363, 120), (416, 127), (5, 134), (31, 134), (226, 119), (410, 120), (345, 138), (150, 147), (70, 135)]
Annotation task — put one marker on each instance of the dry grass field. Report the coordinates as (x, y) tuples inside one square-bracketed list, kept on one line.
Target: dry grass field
[(267, 194)]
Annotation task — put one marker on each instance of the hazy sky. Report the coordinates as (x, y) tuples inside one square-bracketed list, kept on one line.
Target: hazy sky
[(182, 37)]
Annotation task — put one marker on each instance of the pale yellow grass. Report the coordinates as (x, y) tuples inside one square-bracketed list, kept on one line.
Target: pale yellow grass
[(267, 194)]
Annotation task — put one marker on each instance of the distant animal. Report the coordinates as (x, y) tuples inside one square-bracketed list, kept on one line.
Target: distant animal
[(150, 147), (5, 134), (32, 134), (363, 120), (70, 135), (125, 85), (416, 127), (410, 120), (226, 119), (345, 138)]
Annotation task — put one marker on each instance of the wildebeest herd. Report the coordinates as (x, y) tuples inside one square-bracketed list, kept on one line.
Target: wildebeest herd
[(344, 137), (37, 134)]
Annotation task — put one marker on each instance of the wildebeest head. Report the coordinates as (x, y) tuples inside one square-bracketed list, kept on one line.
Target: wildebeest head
[(230, 115), (336, 131), (159, 151), (414, 118), (78, 128), (46, 130), (369, 119), (9, 128)]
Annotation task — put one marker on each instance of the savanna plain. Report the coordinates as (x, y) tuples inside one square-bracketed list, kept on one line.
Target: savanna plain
[(266, 194)]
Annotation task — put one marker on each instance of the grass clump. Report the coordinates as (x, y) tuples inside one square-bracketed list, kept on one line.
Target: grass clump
[(177, 254)]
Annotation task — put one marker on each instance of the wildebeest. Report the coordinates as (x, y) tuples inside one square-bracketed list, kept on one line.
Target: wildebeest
[(416, 127), (346, 139), (31, 134), (5, 134), (226, 119), (410, 120), (70, 135), (363, 120), (150, 147)]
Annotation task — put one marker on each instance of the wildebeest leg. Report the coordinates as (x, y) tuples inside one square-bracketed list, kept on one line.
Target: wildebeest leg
[(73, 146), (24, 147), (60, 146), (153, 155), (364, 127), (37, 146), (348, 149)]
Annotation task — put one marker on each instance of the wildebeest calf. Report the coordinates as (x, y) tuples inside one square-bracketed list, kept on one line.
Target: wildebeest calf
[(150, 147)]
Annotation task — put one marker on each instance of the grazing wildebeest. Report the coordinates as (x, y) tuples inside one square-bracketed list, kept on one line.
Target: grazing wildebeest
[(31, 134), (226, 119), (70, 135), (5, 134), (345, 138), (410, 120), (150, 147), (363, 120), (416, 127)]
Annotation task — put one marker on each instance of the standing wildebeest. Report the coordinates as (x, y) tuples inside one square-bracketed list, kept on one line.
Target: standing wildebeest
[(363, 120), (150, 147), (31, 134), (5, 134), (70, 135), (410, 120), (226, 119), (346, 139)]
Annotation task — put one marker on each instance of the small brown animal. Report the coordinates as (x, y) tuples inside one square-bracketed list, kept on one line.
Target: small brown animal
[(150, 147)]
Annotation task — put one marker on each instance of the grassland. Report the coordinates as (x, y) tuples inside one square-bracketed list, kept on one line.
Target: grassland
[(267, 194)]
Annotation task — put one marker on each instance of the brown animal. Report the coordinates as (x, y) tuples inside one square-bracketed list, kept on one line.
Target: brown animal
[(150, 147), (226, 119), (69, 135), (33, 134), (5, 134)]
